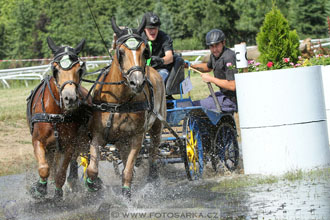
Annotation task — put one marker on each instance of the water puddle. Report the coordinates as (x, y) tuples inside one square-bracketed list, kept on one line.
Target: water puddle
[(174, 197)]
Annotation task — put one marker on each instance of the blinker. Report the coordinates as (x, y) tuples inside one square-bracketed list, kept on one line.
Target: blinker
[(65, 62), (132, 43)]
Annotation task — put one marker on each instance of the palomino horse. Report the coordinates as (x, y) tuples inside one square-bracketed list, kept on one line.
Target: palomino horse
[(126, 102), (57, 116)]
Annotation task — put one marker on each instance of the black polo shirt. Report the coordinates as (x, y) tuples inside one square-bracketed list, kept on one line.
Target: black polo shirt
[(162, 44), (222, 71)]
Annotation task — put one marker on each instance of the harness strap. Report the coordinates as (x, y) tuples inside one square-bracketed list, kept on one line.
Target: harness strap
[(122, 108), (178, 139), (51, 92), (49, 118), (57, 140), (108, 126), (53, 119)]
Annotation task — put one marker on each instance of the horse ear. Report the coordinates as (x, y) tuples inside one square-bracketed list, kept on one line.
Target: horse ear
[(52, 45), (80, 46), (142, 25), (115, 27)]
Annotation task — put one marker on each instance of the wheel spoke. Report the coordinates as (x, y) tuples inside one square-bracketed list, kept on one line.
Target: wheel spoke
[(225, 147), (193, 163)]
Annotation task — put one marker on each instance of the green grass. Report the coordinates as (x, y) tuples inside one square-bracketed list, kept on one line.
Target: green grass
[(242, 181), (13, 100), (199, 90), (13, 103)]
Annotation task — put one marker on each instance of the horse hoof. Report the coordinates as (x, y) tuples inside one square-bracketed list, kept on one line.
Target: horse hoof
[(58, 196), (93, 185), (72, 185), (126, 191), (38, 190)]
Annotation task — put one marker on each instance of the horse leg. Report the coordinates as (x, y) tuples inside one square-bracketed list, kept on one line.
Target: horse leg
[(72, 179), (83, 141), (63, 160), (129, 158), (50, 157), (155, 139), (39, 189), (92, 181)]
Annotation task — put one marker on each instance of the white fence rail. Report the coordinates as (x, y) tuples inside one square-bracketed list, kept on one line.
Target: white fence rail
[(38, 72)]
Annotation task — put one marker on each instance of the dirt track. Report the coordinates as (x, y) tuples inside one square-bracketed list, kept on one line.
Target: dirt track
[(16, 151)]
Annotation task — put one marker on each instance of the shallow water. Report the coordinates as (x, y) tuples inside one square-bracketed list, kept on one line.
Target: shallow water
[(172, 197)]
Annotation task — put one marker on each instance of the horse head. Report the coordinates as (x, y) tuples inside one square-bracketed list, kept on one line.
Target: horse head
[(132, 51), (67, 71)]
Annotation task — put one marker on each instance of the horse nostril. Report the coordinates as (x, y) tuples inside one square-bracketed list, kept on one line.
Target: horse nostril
[(132, 83)]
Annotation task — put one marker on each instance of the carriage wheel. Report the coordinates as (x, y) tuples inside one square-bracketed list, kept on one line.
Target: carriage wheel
[(193, 150), (225, 149)]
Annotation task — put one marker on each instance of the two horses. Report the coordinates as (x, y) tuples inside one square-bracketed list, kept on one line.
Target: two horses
[(128, 101)]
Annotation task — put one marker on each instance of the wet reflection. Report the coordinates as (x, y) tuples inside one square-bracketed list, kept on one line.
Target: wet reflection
[(230, 196)]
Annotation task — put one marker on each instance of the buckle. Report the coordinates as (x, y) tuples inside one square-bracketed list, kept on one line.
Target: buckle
[(103, 107), (107, 107)]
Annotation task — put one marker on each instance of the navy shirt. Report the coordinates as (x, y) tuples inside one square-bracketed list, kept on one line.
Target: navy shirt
[(222, 71), (159, 46)]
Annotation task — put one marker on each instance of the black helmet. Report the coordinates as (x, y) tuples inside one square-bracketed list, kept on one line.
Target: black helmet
[(152, 20), (214, 36)]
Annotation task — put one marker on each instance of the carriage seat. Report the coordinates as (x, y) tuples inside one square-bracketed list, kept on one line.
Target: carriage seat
[(176, 76)]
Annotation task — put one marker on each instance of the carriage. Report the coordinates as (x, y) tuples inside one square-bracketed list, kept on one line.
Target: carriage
[(192, 135)]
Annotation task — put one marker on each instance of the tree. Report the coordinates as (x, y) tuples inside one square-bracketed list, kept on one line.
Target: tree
[(275, 40), (310, 18)]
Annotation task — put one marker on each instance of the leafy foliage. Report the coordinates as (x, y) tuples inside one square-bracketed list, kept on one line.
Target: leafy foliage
[(25, 24), (275, 40)]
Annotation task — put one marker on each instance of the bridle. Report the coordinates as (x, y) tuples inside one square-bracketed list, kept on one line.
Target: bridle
[(133, 42), (66, 60)]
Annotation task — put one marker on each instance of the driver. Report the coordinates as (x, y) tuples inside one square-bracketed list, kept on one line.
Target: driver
[(222, 61), (161, 45)]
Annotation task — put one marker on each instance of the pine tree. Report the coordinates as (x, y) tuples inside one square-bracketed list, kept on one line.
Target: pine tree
[(276, 41), (310, 18)]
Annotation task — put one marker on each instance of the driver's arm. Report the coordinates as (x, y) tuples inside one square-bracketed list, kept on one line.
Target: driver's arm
[(202, 67), (168, 58)]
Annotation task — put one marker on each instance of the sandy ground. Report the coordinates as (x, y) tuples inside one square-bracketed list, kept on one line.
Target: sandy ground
[(16, 151)]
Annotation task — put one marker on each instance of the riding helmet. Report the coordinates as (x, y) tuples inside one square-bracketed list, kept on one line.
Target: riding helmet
[(152, 20), (214, 36)]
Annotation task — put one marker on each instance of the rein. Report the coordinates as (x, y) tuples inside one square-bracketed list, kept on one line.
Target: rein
[(128, 107), (45, 117)]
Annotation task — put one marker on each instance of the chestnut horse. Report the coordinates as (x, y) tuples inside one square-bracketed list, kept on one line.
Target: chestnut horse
[(126, 102), (57, 115)]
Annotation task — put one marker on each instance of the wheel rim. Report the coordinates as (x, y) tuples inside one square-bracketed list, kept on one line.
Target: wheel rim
[(225, 148), (193, 151)]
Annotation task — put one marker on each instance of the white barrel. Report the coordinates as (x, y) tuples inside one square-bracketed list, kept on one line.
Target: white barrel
[(282, 120), (241, 55), (326, 88)]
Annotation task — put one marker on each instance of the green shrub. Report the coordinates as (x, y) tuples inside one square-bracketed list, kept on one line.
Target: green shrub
[(276, 41)]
